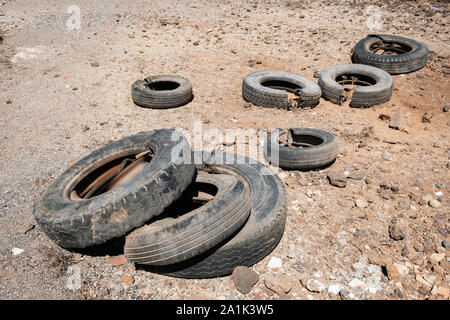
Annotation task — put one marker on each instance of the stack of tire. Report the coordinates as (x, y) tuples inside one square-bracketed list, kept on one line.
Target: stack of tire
[(130, 188)]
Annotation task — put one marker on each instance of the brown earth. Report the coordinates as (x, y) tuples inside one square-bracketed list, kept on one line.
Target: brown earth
[(66, 92)]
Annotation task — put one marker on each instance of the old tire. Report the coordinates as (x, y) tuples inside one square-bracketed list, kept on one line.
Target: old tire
[(376, 84), (412, 55), (259, 235), (162, 92), (176, 240), (81, 223), (310, 149), (270, 89)]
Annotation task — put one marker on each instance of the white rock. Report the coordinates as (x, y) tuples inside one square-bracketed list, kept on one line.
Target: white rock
[(356, 283), (359, 266), (372, 289), (17, 251), (334, 289), (361, 203), (439, 194), (315, 285), (275, 262), (434, 203)]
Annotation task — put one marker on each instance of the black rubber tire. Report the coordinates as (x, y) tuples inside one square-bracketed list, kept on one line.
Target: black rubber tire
[(410, 61), (259, 235), (78, 224), (253, 91), (363, 96), (323, 151), (144, 96), (175, 240)]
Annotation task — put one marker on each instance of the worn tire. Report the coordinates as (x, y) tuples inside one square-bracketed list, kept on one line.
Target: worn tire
[(415, 57), (175, 240), (259, 235), (322, 149), (277, 96), (164, 98), (363, 96), (78, 224)]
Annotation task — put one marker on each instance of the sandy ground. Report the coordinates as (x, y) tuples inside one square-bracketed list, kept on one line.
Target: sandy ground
[(66, 92)]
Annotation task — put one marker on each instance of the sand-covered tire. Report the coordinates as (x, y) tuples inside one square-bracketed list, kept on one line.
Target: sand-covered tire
[(259, 235), (84, 222), (173, 240), (270, 89), (376, 84), (162, 92), (410, 55), (308, 149)]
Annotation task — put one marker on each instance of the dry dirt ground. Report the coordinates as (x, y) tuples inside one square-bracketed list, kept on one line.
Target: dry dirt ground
[(64, 93)]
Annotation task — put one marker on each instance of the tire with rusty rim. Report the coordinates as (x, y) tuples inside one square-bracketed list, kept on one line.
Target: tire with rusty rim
[(112, 190), (259, 235), (280, 89), (304, 148), (175, 239), (162, 92), (393, 54), (371, 86)]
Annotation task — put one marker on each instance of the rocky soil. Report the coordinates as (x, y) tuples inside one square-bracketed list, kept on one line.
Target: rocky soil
[(380, 232)]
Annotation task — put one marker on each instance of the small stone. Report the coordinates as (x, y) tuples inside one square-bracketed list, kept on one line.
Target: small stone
[(278, 282), (437, 257), (396, 232), (446, 244), (446, 108), (95, 64), (25, 228), (118, 261), (357, 284), (127, 280), (394, 123), (361, 203), (337, 179), (346, 294), (196, 43), (356, 175), (445, 292), (314, 284), (434, 203), (423, 282), (17, 251), (275, 262), (333, 290), (244, 278)]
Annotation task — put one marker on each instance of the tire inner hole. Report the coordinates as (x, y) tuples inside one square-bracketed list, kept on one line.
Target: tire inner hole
[(389, 48), (282, 85), (195, 196), (299, 140), (161, 85), (110, 175), (352, 80)]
